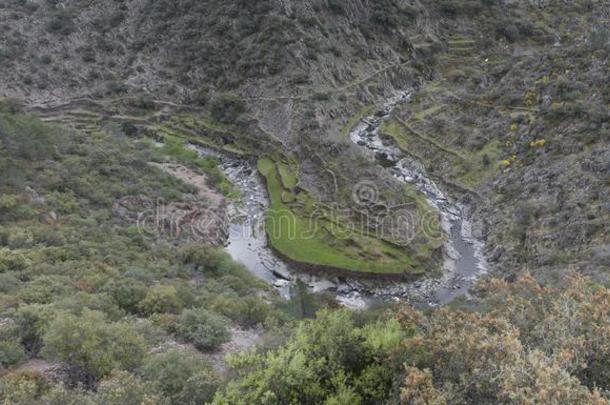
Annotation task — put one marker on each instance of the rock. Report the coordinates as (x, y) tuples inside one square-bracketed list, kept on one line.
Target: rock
[(281, 273), (49, 218), (343, 288), (496, 254), (280, 283), (34, 197), (322, 285)]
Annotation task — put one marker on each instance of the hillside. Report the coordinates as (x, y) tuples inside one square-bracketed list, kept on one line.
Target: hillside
[(442, 166)]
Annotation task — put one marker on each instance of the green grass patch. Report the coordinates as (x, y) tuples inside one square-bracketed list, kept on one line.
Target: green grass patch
[(288, 174), (397, 132), (467, 167), (324, 242)]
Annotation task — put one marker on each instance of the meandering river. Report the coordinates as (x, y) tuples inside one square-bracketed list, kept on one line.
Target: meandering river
[(463, 254)]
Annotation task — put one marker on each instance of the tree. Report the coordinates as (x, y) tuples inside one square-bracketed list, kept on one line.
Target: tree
[(21, 389), (204, 259), (323, 361)]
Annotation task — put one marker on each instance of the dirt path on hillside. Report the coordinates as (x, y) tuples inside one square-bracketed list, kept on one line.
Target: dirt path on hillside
[(206, 220), (216, 200)]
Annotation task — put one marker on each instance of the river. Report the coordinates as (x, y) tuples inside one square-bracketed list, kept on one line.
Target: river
[(463, 255), (464, 259)]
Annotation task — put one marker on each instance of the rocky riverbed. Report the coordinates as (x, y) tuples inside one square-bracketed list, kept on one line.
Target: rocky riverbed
[(464, 259)]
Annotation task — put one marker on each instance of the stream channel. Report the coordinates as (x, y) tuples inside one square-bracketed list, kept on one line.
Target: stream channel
[(463, 255)]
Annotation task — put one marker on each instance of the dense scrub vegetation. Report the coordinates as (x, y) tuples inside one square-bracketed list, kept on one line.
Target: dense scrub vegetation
[(526, 344), (89, 302), (200, 46)]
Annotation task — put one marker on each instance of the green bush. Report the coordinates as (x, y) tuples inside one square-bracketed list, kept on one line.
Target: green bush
[(11, 353), (9, 283), (204, 329), (179, 374), (199, 388), (11, 261), (61, 22), (599, 38), (252, 311), (127, 293), (462, 7), (92, 344), (161, 299), (336, 6), (76, 303), (125, 388), (45, 289), (203, 259), (22, 389), (32, 321)]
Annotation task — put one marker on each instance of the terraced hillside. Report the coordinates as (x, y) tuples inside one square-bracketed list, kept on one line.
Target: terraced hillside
[(527, 129)]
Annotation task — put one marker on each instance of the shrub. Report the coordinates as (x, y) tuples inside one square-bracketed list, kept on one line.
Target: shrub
[(22, 389), (92, 344), (253, 311), (8, 202), (160, 299), (11, 353), (199, 388), (247, 311), (599, 38), (11, 105), (11, 261), (61, 22), (124, 388), (336, 6), (9, 283), (32, 321), (227, 108), (203, 258), (179, 374), (204, 329), (509, 31), (75, 303), (45, 289), (127, 293)]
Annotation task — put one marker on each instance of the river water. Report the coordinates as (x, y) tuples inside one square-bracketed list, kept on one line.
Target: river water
[(464, 260), (247, 242)]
